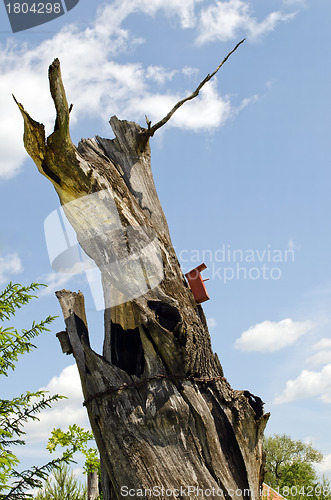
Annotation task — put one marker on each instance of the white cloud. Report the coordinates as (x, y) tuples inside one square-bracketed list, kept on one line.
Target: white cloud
[(190, 72), (323, 354), (209, 111), (211, 322), (11, 144), (158, 74), (62, 413), (245, 102), (325, 466), (270, 336), (308, 384), (230, 19), (324, 343), (66, 384), (185, 11), (54, 281), (97, 85), (320, 358), (9, 264)]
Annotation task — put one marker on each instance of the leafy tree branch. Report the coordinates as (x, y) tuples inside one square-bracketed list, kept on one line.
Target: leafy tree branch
[(16, 412)]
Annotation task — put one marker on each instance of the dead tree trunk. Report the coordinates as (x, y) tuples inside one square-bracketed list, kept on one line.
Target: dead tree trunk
[(161, 411)]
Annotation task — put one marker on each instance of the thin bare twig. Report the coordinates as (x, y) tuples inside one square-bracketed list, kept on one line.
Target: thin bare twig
[(150, 131)]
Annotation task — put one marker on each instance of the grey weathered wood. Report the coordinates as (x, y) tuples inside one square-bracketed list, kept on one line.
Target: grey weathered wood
[(92, 486), (156, 418), (64, 342)]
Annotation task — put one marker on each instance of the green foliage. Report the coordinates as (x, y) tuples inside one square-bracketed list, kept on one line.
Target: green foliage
[(322, 490), (31, 478), (62, 486), (15, 413), (290, 470), (12, 343), (76, 439)]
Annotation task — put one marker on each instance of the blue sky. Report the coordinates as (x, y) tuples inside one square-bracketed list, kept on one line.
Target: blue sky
[(242, 173)]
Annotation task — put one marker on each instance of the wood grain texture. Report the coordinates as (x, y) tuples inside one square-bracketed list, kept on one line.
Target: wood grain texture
[(168, 432)]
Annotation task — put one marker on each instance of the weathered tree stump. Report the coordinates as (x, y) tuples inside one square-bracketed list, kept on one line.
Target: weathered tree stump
[(161, 411)]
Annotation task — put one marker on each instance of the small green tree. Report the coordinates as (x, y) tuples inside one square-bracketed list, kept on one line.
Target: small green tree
[(62, 485), (322, 489), (16, 412), (76, 439), (290, 468)]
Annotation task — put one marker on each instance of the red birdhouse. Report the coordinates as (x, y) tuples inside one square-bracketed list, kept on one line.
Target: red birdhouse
[(197, 283)]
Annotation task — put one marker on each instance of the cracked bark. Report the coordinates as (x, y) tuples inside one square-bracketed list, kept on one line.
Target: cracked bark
[(170, 432)]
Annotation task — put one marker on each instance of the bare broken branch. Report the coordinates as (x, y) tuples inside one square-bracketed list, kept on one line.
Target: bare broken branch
[(150, 131)]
